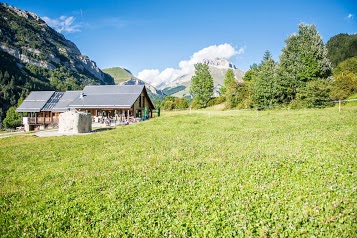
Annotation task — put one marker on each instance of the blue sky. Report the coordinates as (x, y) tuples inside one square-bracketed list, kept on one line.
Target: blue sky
[(160, 34)]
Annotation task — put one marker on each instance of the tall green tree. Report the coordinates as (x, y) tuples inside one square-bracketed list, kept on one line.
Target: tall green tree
[(201, 85), (251, 73), (265, 88), (229, 78), (303, 59)]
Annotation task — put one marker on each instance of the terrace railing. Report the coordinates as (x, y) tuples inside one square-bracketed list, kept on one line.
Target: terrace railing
[(41, 120)]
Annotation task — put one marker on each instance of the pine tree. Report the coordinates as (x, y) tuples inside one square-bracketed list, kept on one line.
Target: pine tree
[(265, 88), (201, 85)]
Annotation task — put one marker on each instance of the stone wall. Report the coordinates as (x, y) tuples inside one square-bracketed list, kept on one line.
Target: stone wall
[(75, 122)]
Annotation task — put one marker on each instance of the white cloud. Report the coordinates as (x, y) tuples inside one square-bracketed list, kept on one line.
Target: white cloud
[(63, 24), (350, 16), (241, 50), (155, 77), (148, 74)]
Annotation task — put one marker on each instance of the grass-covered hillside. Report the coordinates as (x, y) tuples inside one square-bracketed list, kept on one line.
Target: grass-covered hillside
[(119, 74), (214, 174)]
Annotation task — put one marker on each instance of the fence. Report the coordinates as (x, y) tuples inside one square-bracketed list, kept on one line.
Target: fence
[(340, 101)]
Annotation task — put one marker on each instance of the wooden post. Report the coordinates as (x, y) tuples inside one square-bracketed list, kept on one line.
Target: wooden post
[(339, 105)]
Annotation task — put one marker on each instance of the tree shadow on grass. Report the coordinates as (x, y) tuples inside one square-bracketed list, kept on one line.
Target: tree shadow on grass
[(103, 129)]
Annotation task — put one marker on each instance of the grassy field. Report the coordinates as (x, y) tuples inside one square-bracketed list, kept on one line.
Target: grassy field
[(208, 174)]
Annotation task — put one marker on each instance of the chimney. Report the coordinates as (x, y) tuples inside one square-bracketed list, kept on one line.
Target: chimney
[(81, 95)]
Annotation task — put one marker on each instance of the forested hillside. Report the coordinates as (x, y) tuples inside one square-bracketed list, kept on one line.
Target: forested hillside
[(341, 47)]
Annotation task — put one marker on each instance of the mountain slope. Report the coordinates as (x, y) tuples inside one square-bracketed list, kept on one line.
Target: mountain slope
[(36, 57), (119, 74)]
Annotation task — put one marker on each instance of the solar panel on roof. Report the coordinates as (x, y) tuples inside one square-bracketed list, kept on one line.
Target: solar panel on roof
[(52, 101)]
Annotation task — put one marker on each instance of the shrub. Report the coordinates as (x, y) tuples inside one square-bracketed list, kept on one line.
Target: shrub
[(181, 103), (168, 105), (344, 86), (12, 119), (314, 94), (216, 101)]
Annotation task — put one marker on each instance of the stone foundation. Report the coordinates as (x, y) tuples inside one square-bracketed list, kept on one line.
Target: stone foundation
[(74, 122)]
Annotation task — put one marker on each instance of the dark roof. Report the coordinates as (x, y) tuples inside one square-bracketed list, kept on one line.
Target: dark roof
[(66, 99), (108, 96), (113, 89), (35, 101), (123, 100)]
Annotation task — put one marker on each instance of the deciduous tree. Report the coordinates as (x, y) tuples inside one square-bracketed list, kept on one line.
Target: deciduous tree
[(201, 85), (304, 58), (13, 119)]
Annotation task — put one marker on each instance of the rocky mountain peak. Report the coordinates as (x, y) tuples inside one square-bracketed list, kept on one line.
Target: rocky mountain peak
[(219, 63), (22, 13)]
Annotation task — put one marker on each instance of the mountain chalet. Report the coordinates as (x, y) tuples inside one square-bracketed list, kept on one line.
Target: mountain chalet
[(120, 102)]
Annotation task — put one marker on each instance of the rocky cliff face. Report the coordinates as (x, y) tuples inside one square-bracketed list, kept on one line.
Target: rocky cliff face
[(219, 63), (25, 36)]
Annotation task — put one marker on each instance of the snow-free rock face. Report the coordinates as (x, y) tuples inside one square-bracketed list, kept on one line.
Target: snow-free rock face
[(219, 63), (74, 122), (24, 58), (25, 36)]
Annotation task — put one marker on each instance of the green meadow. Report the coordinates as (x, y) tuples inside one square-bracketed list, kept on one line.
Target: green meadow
[(271, 173)]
